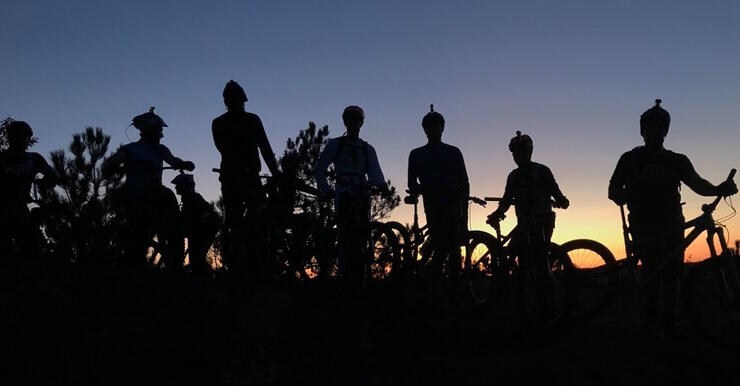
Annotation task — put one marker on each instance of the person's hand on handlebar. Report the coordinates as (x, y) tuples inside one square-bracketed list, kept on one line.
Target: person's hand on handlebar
[(727, 188), (494, 218), (412, 198), (561, 202), (187, 165)]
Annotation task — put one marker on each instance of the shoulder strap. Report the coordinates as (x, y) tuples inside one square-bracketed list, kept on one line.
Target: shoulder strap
[(340, 147)]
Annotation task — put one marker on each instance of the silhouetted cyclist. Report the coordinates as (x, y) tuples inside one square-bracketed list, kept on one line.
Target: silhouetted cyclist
[(150, 207), (200, 222), (648, 179), (240, 138), (532, 189), (356, 166), (18, 169), (437, 172)]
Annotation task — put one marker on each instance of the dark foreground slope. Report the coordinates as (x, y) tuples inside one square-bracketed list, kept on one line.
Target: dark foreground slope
[(121, 328)]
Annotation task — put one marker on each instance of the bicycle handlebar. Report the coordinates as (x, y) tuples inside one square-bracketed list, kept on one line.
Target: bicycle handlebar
[(481, 202), (709, 208), (412, 199), (302, 187)]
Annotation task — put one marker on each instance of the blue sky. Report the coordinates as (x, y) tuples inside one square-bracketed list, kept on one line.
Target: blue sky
[(574, 74)]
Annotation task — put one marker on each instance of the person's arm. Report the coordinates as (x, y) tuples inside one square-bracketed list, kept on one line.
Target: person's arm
[(325, 159), (560, 200), (507, 200), (43, 167), (265, 149), (693, 180), (414, 188), (617, 185), (173, 161), (374, 173), (218, 137), (462, 177)]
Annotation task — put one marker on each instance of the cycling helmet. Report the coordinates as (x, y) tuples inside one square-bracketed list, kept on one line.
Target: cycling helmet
[(18, 128), (432, 118), (655, 118), (522, 142), (353, 112), (183, 179), (234, 91), (148, 120)]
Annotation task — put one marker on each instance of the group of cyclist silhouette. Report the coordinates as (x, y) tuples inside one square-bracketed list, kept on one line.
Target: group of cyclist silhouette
[(647, 179)]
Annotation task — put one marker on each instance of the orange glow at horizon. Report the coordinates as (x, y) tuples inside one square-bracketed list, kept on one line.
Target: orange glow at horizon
[(594, 220)]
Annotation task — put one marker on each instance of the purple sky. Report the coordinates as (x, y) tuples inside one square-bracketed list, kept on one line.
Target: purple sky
[(575, 75)]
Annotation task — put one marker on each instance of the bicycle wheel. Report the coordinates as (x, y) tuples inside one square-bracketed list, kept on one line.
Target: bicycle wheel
[(385, 257), (711, 295), (404, 242), (588, 254), (316, 257), (593, 279), (481, 253)]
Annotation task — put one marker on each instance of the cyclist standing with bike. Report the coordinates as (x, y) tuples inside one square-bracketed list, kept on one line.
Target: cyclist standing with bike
[(356, 165), (240, 138), (533, 191), (18, 169), (648, 179), (437, 172), (151, 208)]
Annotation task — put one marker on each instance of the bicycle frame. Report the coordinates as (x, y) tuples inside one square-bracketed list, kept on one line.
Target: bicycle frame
[(420, 234), (703, 222)]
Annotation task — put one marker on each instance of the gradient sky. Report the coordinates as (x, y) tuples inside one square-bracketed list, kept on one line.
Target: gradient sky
[(575, 75)]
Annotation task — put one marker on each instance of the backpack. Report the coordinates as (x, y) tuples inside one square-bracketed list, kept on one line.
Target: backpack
[(343, 144)]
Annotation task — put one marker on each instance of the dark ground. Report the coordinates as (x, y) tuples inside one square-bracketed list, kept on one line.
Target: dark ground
[(120, 328)]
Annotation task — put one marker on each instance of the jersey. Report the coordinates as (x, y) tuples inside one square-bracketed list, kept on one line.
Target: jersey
[(355, 164), (652, 181), (143, 165), (17, 172), (530, 189), (437, 171), (239, 137)]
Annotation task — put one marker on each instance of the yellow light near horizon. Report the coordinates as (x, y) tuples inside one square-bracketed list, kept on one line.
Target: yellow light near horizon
[(596, 222)]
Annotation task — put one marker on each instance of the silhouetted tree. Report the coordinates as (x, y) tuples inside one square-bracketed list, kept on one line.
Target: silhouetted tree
[(81, 220), (304, 152)]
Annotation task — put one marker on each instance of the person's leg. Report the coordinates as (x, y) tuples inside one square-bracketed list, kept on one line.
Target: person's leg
[(234, 202), (650, 281), (198, 247), (344, 236), (169, 229), (26, 235), (137, 232), (253, 234), (437, 242), (671, 281)]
